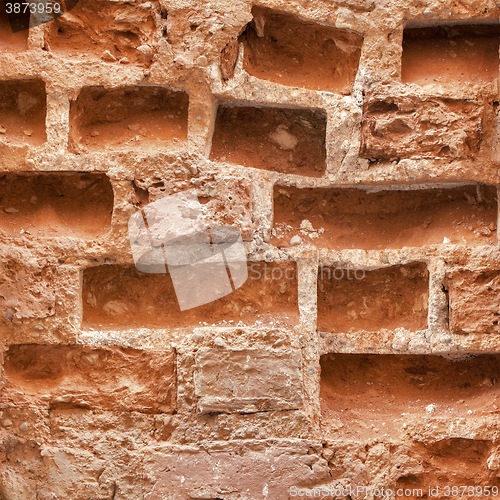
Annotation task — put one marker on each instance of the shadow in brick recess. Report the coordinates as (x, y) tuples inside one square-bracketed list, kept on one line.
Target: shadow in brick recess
[(451, 53), (119, 296), (363, 392), (55, 203), (22, 112), (285, 140), (387, 298), (281, 48), (111, 31), (353, 218), (104, 378), (141, 117)]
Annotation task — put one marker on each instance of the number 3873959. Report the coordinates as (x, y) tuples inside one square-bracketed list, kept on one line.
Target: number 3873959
[(33, 8)]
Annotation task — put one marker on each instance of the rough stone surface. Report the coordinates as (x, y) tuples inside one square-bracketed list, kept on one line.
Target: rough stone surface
[(394, 129), (247, 381), (57, 376), (474, 302), (366, 128)]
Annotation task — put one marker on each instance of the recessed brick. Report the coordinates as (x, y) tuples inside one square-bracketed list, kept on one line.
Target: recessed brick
[(388, 298), (424, 467), (141, 117), (281, 48), (22, 111), (120, 296), (290, 141), (363, 392), (14, 41), (114, 32), (89, 377), (247, 381), (50, 204), (341, 218), (450, 54)]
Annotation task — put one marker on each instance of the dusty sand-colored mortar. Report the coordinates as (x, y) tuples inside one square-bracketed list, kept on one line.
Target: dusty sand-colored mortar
[(366, 354)]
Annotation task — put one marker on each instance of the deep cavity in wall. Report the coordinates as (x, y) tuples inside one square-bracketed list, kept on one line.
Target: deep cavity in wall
[(284, 140), (119, 296), (341, 218), (351, 300), (281, 48), (87, 377), (131, 118), (369, 393), (22, 111), (449, 54), (49, 204)]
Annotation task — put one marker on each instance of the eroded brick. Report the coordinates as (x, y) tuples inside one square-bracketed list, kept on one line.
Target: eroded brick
[(281, 48), (120, 296), (50, 204), (406, 127), (129, 118), (247, 381), (387, 298), (390, 218), (22, 111), (262, 472), (450, 54), (474, 301), (366, 394), (73, 377), (290, 141)]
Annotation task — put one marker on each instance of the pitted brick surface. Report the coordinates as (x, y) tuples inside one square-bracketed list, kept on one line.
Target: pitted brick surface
[(353, 137)]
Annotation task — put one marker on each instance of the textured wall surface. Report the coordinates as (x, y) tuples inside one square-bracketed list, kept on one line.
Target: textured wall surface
[(354, 144)]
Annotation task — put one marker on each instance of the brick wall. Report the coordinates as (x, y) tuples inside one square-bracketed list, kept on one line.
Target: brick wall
[(354, 145)]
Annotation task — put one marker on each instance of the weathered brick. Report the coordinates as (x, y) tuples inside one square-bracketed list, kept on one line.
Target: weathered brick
[(408, 127), (281, 48), (290, 141), (474, 301), (133, 299), (389, 298), (264, 472), (73, 377), (23, 111), (69, 204), (248, 380), (388, 218)]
